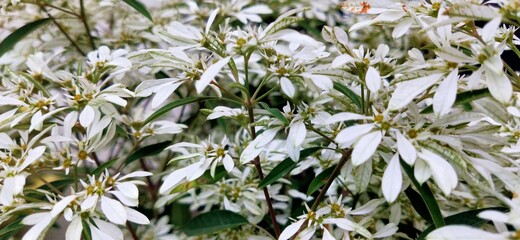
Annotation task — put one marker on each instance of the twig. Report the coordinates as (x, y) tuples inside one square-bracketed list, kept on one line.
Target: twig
[(63, 31), (83, 18), (258, 167)]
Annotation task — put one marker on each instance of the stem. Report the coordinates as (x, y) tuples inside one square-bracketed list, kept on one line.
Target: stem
[(427, 196), (63, 31), (85, 23), (132, 231), (258, 167), (344, 159)]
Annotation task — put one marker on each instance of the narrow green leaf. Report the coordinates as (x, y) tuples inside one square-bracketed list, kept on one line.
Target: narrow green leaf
[(275, 112), (9, 230), (348, 93), (469, 218), (104, 166), (464, 98), (59, 184), (418, 204), (147, 151), (213, 221), (173, 105), (320, 180), (426, 195), (10, 41), (139, 7), (37, 84), (285, 167)]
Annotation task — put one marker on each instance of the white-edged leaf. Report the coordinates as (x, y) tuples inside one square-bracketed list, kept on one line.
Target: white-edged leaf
[(392, 180), (406, 148), (287, 87), (113, 210), (442, 171), (365, 147), (373, 80), (446, 93), (210, 74), (407, 91)]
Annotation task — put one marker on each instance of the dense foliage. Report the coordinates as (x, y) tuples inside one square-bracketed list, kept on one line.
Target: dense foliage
[(238, 119)]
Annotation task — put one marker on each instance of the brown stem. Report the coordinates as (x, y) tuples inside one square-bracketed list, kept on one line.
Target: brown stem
[(85, 24), (63, 31), (344, 159), (258, 167), (132, 231)]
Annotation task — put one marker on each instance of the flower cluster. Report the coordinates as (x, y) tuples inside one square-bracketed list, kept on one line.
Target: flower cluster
[(238, 119)]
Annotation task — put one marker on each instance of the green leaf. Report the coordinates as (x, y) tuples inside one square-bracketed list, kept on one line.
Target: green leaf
[(173, 105), (469, 218), (464, 98), (59, 184), (13, 38), (213, 221), (104, 166), (426, 195), (147, 151), (139, 7), (348, 93), (418, 204), (9, 230), (275, 112), (285, 167), (320, 180)]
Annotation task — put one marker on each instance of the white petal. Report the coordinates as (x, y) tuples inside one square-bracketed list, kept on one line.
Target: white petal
[(341, 60), (163, 94), (346, 137), (297, 133), (345, 116), (173, 180), (446, 93), (494, 216), (386, 231), (407, 91), (458, 232), (442, 172), (402, 27), (33, 155), (287, 87), (6, 195), (489, 30), (131, 202), (110, 229), (255, 147), (74, 230), (367, 207), (228, 163), (36, 231), (61, 205), (421, 171), (290, 230), (89, 203), (87, 116), (327, 235), (113, 210), (128, 189), (406, 149), (499, 86), (365, 147), (136, 174), (34, 218), (373, 80), (211, 18), (136, 217), (392, 180), (210, 74)]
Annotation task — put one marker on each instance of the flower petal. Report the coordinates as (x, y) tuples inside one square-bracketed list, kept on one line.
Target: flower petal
[(392, 180), (113, 210), (365, 147)]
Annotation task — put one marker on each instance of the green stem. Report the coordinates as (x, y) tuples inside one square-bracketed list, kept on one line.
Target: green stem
[(427, 196)]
